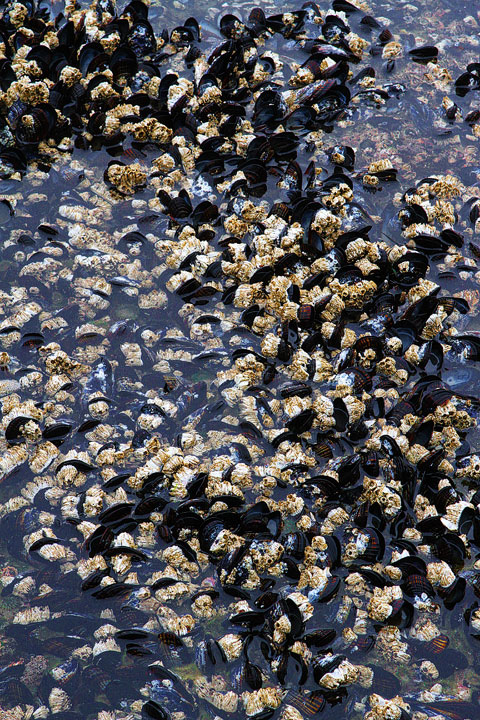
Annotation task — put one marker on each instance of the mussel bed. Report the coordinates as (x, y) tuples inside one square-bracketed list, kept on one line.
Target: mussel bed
[(239, 454)]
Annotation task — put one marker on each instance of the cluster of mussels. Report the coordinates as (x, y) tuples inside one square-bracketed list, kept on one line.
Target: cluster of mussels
[(238, 414)]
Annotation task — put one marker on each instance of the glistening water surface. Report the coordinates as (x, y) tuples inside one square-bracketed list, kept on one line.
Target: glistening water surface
[(239, 361)]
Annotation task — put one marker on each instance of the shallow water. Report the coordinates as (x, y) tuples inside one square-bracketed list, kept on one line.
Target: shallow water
[(172, 381)]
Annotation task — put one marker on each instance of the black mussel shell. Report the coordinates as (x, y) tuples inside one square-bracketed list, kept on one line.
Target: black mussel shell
[(454, 594), (123, 62), (466, 82), (450, 661), (384, 682), (425, 54), (180, 206), (56, 432), (435, 647), (320, 637), (257, 20), (115, 512), (329, 591), (231, 26), (92, 57), (276, 23), (266, 600), (292, 669), (344, 6), (413, 213), (154, 711), (467, 345), (79, 465), (302, 422), (334, 28), (250, 619), (342, 155), (301, 120), (294, 544), (15, 692), (6, 212), (417, 585), (141, 38), (35, 124), (325, 664), (308, 704), (13, 431)]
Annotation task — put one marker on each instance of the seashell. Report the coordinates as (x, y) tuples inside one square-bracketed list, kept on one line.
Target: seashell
[(320, 637), (308, 704), (417, 585), (294, 544), (363, 644), (15, 692), (112, 590), (326, 664), (454, 594), (426, 53), (92, 57), (472, 117), (114, 513), (62, 646), (450, 548), (247, 676), (257, 19), (248, 618), (384, 682), (328, 592), (411, 564), (67, 675), (294, 666), (302, 422), (141, 38), (436, 646), (123, 62), (231, 26), (152, 709), (385, 36), (35, 124), (57, 431)]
